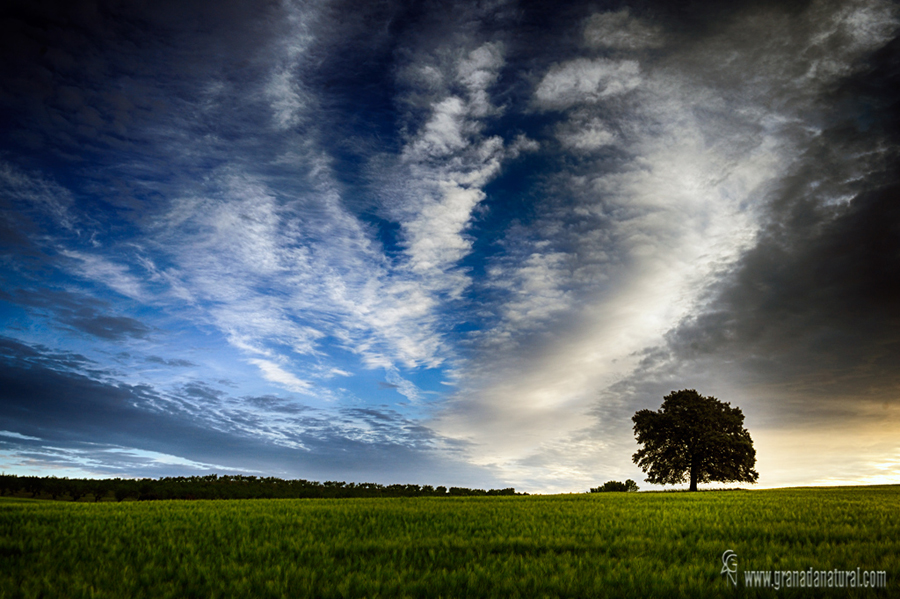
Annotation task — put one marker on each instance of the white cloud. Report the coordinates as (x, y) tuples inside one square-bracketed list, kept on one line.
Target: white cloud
[(440, 196), (14, 435), (478, 71), (444, 132), (112, 274), (435, 239), (404, 387), (154, 458), (584, 80), (287, 98), (621, 31), (278, 274), (537, 289), (585, 136), (278, 375), (290, 101), (866, 25), (522, 143), (38, 192)]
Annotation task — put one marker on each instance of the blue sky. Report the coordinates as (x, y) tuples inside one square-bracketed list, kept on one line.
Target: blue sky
[(445, 243)]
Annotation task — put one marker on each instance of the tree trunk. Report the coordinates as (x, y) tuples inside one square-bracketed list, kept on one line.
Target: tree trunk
[(694, 473)]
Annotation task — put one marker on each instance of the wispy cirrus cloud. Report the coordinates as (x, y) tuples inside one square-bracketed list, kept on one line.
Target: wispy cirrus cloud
[(113, 274), (447, 162), (200, 429), (271, 273)]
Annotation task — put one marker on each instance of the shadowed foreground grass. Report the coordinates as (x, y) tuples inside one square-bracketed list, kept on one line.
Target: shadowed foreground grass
[(597, 545)]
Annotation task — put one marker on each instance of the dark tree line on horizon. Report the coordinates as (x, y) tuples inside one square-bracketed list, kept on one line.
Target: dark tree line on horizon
[(217, 487)]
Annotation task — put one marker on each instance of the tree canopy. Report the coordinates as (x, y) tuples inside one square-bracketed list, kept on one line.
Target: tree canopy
[(694, 438), (614, 486)]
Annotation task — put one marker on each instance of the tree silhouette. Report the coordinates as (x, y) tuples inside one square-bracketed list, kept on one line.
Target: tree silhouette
[(695, 438), (614, 486)]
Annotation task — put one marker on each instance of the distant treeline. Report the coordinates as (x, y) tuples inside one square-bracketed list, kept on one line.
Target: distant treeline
[(614, 486), (215, 487)]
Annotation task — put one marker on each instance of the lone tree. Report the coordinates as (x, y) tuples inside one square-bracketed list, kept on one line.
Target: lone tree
[(694, 438)]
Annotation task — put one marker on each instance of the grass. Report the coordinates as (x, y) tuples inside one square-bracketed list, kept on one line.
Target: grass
[(597, 545)]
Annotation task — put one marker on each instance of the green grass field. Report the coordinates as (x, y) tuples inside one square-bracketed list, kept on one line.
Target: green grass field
[(597, 545)]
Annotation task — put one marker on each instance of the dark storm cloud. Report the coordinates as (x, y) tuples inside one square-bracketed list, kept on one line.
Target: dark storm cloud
[(812, 312), (84, 313), (271, 403), (108, 327), (202, 393), (176, 362), (40, 356)]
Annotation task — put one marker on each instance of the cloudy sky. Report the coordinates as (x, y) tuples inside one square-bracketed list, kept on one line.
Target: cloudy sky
[(446, 243)]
